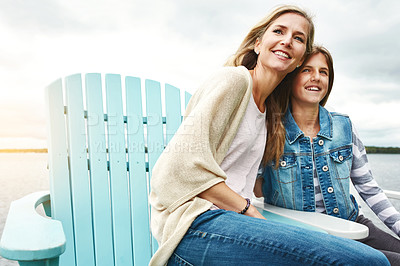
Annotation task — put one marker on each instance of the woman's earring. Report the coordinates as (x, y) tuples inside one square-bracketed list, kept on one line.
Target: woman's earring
[(257, 52)]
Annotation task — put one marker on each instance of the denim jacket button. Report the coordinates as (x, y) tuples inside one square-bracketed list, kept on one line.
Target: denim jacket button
[(283, 163), (325, 168), (340, 158), (330, 189), (335, 210), (321, 142)]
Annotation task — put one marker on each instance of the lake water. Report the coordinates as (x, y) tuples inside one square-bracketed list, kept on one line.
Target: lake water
[(20, 174), (386, 170), (23, 173)]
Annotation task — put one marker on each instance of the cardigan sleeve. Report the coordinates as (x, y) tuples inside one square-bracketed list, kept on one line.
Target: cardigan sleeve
[(190, 163)]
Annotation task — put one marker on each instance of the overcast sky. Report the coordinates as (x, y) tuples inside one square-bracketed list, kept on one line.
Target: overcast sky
[(182, 42)]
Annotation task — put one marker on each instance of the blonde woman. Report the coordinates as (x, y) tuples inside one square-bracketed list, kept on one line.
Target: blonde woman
[(201, 212)]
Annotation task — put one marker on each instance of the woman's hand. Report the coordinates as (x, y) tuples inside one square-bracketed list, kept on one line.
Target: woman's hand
[(225, 198), (253, 212)]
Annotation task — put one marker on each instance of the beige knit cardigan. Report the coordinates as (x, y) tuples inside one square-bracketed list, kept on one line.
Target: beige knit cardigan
[(190, 164)]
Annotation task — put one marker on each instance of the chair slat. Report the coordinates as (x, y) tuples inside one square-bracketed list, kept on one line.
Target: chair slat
[(118, 172), (172, 110), (155, 136), (102, 221), (137, 172), (61, 208), (81, 200)]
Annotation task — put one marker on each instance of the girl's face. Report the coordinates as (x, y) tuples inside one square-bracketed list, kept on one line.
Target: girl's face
[(283, 44), (311, 83)]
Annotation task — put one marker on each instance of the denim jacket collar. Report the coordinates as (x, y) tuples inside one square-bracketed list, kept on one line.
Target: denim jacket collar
[(293, 132)]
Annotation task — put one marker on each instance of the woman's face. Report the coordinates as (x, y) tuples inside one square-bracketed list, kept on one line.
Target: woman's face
[(311, 83), (283, 44)]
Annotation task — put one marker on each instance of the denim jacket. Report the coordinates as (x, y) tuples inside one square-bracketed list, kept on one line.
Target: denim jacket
[(291, 185)]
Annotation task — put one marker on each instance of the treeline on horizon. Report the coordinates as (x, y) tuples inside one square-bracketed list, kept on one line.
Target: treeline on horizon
[(388, 150), (370, 149), (23, 150)]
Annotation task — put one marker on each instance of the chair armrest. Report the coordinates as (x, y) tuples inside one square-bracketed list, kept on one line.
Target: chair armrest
[(29, 236), (332, 225), (392, 194)]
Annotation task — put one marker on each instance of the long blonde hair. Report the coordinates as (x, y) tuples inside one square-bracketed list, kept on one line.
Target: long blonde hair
[(277, 102), (245, 55)]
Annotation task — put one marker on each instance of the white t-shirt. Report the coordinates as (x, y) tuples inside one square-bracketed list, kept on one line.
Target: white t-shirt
[(246, 151)]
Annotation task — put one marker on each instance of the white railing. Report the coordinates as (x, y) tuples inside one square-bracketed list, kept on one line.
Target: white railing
[(391, 194)]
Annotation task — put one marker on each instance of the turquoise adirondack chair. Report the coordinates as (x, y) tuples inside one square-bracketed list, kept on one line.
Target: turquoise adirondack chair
[(100, 165)]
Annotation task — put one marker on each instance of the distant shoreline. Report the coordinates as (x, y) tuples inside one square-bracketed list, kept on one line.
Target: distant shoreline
[(370, 150), (23, 150), (385, 150)]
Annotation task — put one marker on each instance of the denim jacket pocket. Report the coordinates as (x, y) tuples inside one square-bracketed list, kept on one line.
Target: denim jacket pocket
[(341, 162), (287, 171)]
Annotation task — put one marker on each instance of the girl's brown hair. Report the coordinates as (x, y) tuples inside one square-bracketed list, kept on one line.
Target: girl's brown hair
[(287, 84), (282, 96), (329, 61)]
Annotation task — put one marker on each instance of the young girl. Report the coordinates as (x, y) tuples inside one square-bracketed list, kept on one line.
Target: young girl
[(322, 153), (201, 212)]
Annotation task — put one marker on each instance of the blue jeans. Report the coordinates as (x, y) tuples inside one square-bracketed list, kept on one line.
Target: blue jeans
[(221, 237)]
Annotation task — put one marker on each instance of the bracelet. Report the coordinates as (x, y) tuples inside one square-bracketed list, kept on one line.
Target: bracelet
[(245, 208)]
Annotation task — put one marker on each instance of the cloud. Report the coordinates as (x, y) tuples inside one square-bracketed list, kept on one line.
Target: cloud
[(34, 16), (364, 89), (372, 107), (182, 42), (364, 39), (212, 20), (22, 119)]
